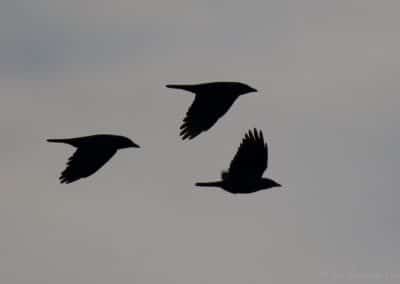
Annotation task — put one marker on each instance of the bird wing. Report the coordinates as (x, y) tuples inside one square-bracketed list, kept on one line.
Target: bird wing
[(85, 162), (204, 113), (251, 159)]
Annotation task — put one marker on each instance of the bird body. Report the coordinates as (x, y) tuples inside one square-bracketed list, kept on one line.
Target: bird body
[(98, 140), (222, 88), (212, 101), (91, 154), (240, 186), (247, 167)]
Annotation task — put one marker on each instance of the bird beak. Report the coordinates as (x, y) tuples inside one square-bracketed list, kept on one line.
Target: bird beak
[(252, 90), (134, 145)]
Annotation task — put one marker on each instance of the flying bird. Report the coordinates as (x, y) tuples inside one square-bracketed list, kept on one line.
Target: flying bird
[(212, 101), (247, 167), (91, 154)]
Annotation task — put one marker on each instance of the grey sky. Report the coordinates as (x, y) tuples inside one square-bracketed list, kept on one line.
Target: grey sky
[(327, 74)]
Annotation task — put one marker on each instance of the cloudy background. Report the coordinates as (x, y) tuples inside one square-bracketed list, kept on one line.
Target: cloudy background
[(328, 79)]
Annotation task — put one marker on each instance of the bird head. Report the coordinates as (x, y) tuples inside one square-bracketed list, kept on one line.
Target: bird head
[(244, 89), (267, 183), (124, 142)]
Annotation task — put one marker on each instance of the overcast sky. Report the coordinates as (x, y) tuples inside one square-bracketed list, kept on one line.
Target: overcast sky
[(328, 103)]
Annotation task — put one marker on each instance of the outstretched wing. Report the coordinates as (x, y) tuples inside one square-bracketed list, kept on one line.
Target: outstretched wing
[(85, 162), (204, 113), (251, 159)]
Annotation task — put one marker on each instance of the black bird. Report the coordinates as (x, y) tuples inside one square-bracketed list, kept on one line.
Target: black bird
[(212, 100), (91, 154), (247, 167)]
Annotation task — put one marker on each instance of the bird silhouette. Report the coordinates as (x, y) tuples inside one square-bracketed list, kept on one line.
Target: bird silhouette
[(212, 101), (91, 154), (247, 167)]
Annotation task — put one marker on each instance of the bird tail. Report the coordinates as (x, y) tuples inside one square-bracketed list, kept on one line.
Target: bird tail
[(209, 184), (181, 87), (56, 140), (71, 142)]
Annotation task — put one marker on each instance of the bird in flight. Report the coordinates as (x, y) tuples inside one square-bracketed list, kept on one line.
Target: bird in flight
[(91, 154), (212, 101), (247, 167)]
